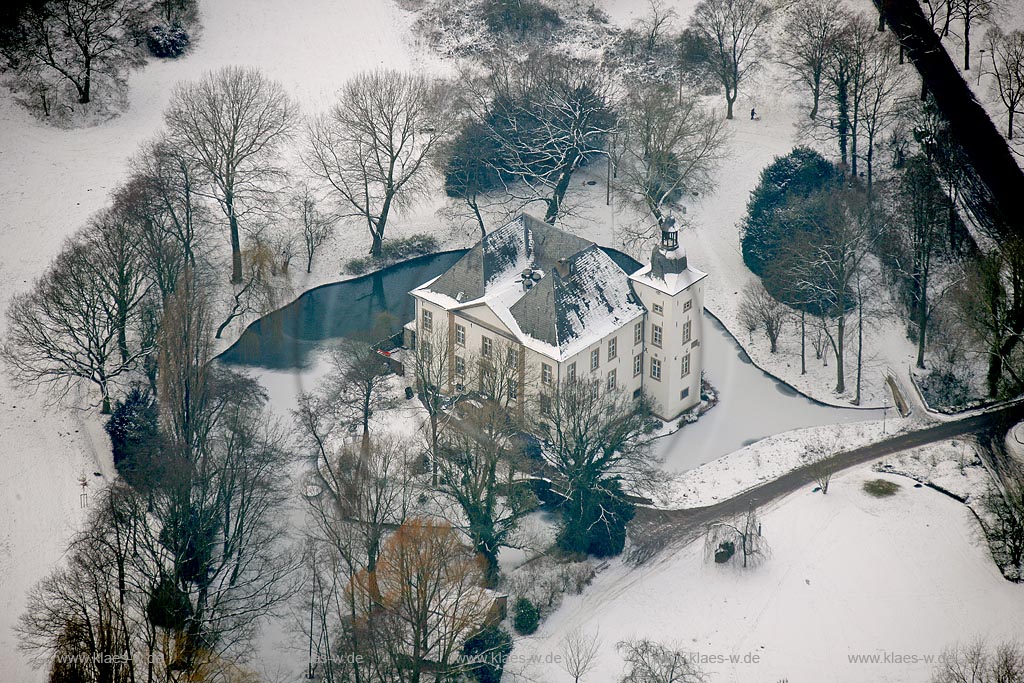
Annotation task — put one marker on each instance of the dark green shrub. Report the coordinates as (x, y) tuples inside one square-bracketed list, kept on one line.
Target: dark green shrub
[(167, 42), (725, 551), (134, 430), (526, 618), (168, 606), (522, 18), (488, 652), (765, 228), (594, 522)]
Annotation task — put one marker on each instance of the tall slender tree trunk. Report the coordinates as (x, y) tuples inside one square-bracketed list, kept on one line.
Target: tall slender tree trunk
[(840, 357), (236, 242), (803, 341)]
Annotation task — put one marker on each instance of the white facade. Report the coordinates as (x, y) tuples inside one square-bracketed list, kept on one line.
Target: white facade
[(651, 344)]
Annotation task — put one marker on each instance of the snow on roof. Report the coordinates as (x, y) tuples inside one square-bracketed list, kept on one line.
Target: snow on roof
[(669, 283), (581, 295)]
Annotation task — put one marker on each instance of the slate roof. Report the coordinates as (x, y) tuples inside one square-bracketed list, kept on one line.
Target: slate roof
[(573, 304)]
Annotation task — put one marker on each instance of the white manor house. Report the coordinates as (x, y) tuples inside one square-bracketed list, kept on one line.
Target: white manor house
[(572, 313)]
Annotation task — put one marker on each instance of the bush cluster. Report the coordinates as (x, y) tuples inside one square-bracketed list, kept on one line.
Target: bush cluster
[(167, 42), (523, 18), (601, 528), (766, 227), (526, 617), (395, 250), (492, 646)]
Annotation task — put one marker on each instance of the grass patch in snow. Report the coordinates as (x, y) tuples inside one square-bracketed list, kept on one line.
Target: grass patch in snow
[(881, 488)]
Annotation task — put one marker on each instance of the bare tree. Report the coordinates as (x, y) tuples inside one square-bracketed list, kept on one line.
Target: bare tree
[(434, 374), (83, 618), (317, 227), (359, 380), (161, 199), (670, 150), (841, 226), (374, 144), (120, 269), (67, 328), (232, 123), (1007, 53), (820, 448), (599, 442), (885, 80), (971, 13), (365, 494), (733, 30), (740, 536), (546, 117), (920, 218), (653, 25), (648, 661), (1003, 525), (990, 300), (78, 42), (429, 601), (978, 662), (579, 652), (477, 471), (758, 308), (811, 29)]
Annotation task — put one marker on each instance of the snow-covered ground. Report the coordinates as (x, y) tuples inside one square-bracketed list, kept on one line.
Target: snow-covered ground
[(51, 180), (849, 575)]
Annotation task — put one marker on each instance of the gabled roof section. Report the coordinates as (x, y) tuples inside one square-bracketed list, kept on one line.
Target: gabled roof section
[(521, 243), (581, 295), (573, 308)]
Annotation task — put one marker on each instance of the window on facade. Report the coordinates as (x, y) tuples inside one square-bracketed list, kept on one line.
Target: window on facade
[(460, 335), (684, 393), (486, 347), (659, 309), (613, 348), (545, 373), (426, 349), (638, 364), (513, 391), (656, 369), (595, 359), (636, 393), (512, 356), (460, 366), (687, 305), (428, 320), (687, 326), (570, 372), (638, 333), (611, 381), (545, 405), (595, 388), (656, 335), (686, 365)]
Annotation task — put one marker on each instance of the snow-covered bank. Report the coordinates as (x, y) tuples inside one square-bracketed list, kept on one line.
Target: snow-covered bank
[(850, 575), (769, 459)]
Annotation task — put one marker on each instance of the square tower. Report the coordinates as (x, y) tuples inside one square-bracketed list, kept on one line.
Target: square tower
[(673, 294)]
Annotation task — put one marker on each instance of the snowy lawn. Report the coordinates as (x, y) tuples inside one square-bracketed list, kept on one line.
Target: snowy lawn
[(849, 575)]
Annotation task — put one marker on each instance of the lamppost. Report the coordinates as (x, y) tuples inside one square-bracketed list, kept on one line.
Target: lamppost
[(981, 63)]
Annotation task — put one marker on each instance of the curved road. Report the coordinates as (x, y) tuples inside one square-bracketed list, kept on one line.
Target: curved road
[(653, 530)]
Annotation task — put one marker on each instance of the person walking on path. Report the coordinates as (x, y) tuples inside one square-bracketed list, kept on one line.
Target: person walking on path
[(753, 114)]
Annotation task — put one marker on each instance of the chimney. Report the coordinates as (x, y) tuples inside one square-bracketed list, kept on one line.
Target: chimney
[(562, 267)]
